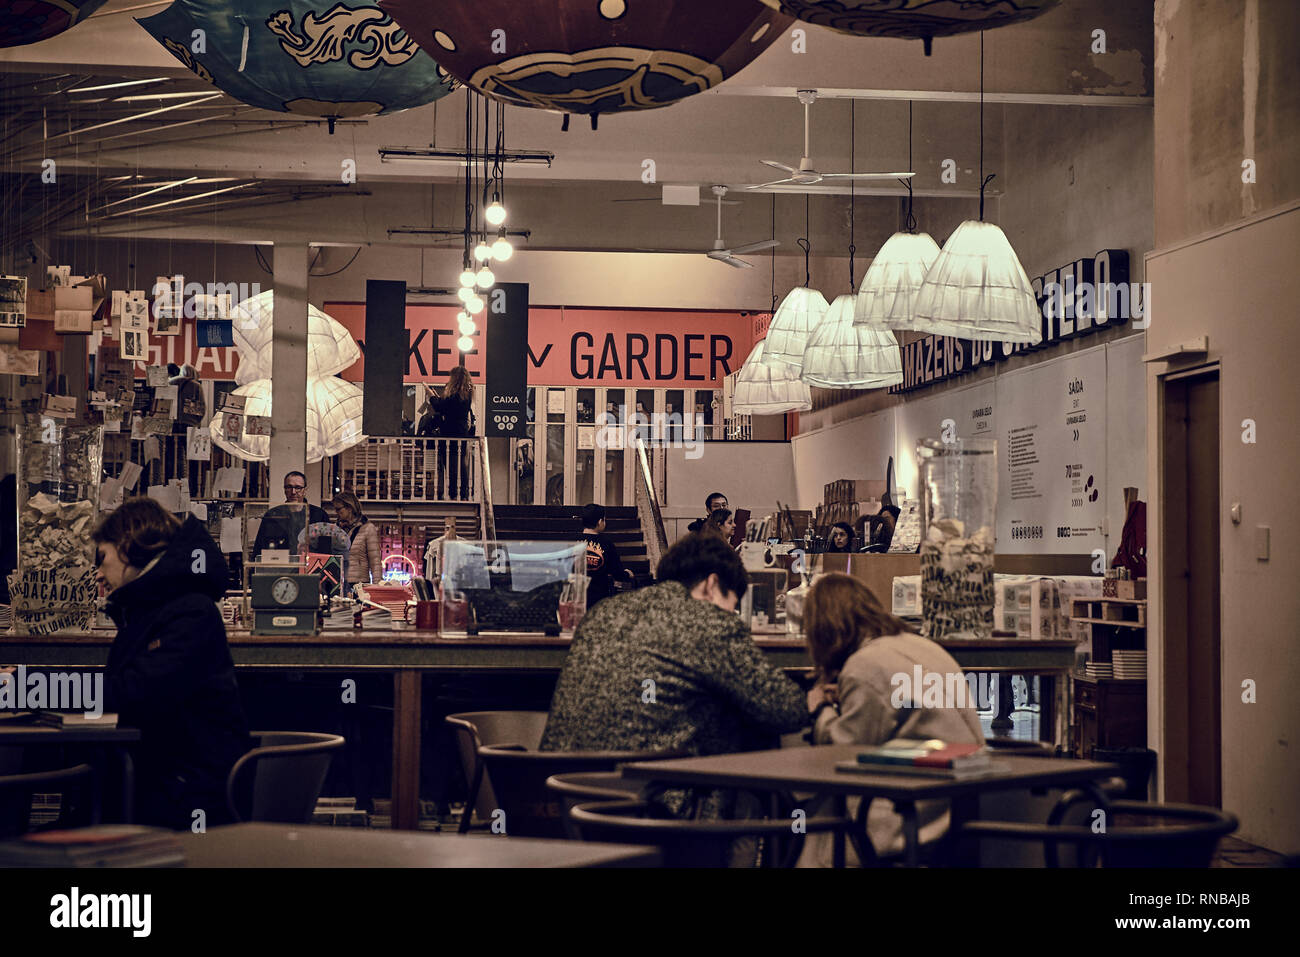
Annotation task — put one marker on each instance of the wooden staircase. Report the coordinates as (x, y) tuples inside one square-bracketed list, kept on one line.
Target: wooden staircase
[(560, 523)]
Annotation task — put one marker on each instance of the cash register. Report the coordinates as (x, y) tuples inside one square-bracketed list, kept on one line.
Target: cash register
[(285, 602)]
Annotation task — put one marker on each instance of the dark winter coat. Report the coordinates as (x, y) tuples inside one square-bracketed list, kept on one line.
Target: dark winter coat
[(170, 674)]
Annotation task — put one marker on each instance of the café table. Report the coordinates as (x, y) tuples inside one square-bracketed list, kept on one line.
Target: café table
[(15, 732), (805, 769), (283, 845)]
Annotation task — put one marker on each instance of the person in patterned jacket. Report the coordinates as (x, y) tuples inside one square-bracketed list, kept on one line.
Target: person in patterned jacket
[(672, 667)]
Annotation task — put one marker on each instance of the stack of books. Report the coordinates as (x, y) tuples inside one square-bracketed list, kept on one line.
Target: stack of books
[(75, 719), (1130, 665), (1100, 670), (926, 758), (117, 845)]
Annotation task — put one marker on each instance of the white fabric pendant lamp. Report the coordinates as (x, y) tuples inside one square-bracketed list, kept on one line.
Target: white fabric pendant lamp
[(333, 419), (797, 316), (887, 299), (842, 354), (330, 346), (978, 290), (769, 389)]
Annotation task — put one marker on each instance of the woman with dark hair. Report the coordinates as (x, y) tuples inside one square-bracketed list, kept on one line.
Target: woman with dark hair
[(867, 663), (169, 671), (364, 562), (721, 522), (449, 416), (841, 539)]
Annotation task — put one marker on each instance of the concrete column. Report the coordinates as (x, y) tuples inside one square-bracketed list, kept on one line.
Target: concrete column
[(289, 367)]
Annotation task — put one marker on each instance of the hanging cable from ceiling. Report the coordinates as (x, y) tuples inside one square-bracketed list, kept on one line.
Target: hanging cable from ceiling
[(984, 181), (853, 168)]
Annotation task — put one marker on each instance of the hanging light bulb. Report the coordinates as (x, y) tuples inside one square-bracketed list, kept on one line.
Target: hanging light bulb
[(474, 305), (787, 336), (482, 252), (465, 344), (466, 325), (467, 278), (465, 294), (495, 213), (844, 355), (501, 249), (485, 279)]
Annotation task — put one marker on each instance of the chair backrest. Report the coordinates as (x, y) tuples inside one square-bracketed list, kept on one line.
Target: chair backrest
[(1137, 834), (519, 782), (16, 792), (288, 769), (709, 843), (474, 729), (587, 787)]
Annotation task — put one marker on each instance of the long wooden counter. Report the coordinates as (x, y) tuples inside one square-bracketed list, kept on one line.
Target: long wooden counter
[(410, 653)]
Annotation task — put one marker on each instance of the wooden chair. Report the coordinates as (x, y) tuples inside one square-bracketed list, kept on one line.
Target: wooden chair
[(475, 729), (16, 792), (287, 771), (584, 788)]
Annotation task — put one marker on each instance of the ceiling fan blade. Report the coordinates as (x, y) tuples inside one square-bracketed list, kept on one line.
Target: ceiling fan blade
[(775, 182), (738, 263), (756, 247), (781, 166), (867, 175)]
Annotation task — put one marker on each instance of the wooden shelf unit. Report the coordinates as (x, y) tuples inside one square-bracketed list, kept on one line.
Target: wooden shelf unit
[(1109, 712)]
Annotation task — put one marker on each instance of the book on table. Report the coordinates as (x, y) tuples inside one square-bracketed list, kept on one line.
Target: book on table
[(117, 845), (929, 758), (76, 719)]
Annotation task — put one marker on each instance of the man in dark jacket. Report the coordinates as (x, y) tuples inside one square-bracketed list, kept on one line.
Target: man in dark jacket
[(169, 671), (282, 525), (672, 667)]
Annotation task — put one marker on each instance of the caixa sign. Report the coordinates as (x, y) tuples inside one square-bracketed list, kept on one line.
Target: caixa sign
[(1075, 300)]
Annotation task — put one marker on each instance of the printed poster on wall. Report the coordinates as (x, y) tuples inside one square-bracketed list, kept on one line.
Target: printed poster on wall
[(507, 360), (1051, 430)]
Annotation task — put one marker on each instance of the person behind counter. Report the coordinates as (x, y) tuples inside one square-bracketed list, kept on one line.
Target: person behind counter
[(282, 524), (712, 502), (722, 523), (858, 648), (841, 539), (169, 670), (714, 692), (364, 562)]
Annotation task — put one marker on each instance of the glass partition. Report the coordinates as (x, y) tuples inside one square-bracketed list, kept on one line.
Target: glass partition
[(496, 586)]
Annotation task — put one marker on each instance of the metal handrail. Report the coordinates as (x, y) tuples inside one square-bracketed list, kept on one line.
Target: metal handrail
[(487, 518), (647, 507)]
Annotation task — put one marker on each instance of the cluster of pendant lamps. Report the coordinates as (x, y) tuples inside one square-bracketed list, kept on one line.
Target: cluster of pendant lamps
[(973, 288)]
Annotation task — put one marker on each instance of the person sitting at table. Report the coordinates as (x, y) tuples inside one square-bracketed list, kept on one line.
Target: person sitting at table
[(841, 539), (672, 667), (862, 654), (169, 670)]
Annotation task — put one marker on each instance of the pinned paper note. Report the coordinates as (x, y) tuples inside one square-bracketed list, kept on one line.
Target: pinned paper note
[(135, 344), (168, 496), (13, 301), (110, 494), (130, 474), (73, 309), (15, 361), (231, 539), (155, 376), (228, 479), (199, 510), (232, 427), (59, 406), (258, 425), (198, 444), (229, 402)]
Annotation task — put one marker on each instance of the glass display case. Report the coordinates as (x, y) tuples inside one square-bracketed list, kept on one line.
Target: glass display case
[(59, 465), (959, 495), (499, 586)]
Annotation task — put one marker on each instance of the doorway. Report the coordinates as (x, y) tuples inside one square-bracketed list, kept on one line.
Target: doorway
[(1190, 563)]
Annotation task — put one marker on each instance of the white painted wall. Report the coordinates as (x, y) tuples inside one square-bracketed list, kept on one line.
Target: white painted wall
[(1239, 287), (857, 449)]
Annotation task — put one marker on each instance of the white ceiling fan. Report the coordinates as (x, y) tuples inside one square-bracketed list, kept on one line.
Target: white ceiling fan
[(723, 253), (807, 174)]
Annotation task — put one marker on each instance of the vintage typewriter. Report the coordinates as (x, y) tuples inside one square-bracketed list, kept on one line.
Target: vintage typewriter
[(500, 609)]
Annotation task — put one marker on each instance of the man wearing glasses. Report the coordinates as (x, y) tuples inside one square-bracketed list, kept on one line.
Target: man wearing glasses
[(282, 524)]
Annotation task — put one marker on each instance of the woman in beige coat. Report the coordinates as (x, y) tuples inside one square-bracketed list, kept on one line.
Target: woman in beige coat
[(867, 661), (364, 562)]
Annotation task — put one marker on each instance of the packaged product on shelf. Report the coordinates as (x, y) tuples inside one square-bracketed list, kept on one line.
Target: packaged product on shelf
[(956, 581)]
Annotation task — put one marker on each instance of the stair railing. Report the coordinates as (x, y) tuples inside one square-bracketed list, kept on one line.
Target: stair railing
[(487, 519), (647, 508)]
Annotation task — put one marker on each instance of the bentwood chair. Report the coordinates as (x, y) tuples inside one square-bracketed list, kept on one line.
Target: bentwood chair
[(1136, 834), (16, 792), (586, 788), (475, 729), (519, 782), (695, 843), (280, 779)]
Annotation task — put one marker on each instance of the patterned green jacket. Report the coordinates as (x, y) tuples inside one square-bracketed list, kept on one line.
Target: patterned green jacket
[(656, 669)]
